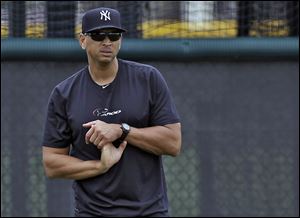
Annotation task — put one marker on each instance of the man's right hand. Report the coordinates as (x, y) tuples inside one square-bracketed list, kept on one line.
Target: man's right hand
[(110, 155)]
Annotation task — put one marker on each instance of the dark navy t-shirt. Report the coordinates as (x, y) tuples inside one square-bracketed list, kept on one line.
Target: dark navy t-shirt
[(139, 96)]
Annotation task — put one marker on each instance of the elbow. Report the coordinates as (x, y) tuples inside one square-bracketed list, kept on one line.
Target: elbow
[(175, 140), (50, 173), (176, 148), (177, 145), (52, 159)]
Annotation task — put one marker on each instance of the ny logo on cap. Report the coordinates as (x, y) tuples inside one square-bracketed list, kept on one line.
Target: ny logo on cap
[(105, 15)]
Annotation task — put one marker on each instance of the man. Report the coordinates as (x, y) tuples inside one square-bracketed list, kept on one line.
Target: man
[(108, 126)]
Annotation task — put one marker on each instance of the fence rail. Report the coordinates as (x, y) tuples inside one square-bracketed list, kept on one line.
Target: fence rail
[(156, 49)]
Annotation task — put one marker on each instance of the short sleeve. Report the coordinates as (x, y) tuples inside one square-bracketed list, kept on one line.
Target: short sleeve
[(57, 132), (163, 110)]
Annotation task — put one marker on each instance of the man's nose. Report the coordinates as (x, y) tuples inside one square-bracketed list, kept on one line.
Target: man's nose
[(107, 41)]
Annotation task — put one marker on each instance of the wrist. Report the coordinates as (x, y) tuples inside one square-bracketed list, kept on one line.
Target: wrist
[(100, 167), (120, 131), (124, 129), (117, 130)]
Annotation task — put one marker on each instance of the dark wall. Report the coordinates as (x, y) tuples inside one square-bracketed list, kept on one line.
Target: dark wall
[(240, 150)]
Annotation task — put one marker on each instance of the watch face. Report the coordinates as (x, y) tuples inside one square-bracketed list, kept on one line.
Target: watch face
[(126, 126)]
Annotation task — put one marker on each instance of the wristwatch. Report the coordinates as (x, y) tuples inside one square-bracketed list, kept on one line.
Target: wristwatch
[(125, 131)]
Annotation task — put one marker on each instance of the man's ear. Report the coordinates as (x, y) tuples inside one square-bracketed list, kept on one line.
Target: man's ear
[(120, 44), (82, 41)]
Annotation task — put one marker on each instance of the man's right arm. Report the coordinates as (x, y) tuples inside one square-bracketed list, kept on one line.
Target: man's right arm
[(58, 163)]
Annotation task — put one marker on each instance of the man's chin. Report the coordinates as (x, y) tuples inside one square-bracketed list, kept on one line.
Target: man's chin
[(106, 59)]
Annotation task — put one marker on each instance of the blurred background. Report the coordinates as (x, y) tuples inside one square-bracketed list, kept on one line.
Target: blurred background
[(232, 68)]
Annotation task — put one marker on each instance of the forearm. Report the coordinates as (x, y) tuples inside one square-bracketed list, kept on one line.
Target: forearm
[(68, 167), (158, 140)]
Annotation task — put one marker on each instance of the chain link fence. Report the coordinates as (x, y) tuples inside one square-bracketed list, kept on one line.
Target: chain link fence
[(240, 150), (155, 19)]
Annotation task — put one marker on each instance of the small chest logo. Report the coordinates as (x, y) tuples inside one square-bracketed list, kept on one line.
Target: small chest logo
[(104, 112), (105, 15)]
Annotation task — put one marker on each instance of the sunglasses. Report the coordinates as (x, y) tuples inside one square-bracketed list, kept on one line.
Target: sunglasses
[(100, 36)]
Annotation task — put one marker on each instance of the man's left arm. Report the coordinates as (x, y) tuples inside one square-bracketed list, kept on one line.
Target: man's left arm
[(158, 140)]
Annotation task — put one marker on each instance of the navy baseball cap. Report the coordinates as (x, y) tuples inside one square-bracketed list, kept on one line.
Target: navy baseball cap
[(101, 18)]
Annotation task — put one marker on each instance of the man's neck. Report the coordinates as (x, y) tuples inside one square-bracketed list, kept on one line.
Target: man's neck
[(103, 73)]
